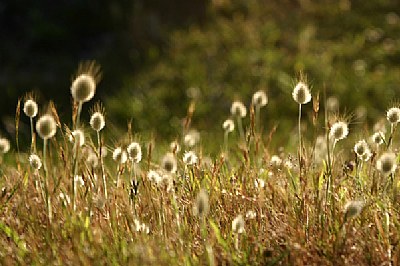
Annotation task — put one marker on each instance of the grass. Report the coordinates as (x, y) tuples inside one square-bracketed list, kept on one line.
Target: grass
[(307, 218)]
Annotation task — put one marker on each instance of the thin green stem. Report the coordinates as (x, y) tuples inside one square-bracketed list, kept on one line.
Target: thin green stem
[(102, 165)]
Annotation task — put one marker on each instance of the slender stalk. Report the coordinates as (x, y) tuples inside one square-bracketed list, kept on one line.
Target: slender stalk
[(102, 165), (76, 156), (226, 142), (258, 125), (46, 188), (33, 143), (240, 126), (300, 148)]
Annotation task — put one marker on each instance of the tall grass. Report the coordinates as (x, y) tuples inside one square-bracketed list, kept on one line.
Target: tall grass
[(195, 208)]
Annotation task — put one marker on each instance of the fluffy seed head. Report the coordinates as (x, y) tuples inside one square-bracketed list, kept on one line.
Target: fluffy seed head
[(134, 152), (393, 115), (46, 126), (339, 130), (201, 206), (361, 148), (251, 214), (191, 138), (367, 155), (275, 162), (83, 86), (386, 164), (35, 162), (154, 177), (301, 93), (168, 163), (92, 160), (78, 137), (190, 158), (353, 208), (4, 145), (97, 121), (30, 108), (120, 155), (260, 99), (238, 109), (228, 125), (238, 225), (378, 138)]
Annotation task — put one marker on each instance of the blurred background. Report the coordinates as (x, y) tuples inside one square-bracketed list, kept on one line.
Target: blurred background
[(157, 56)]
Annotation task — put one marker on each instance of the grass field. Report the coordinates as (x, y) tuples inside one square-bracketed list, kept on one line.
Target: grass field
[(75, 197)]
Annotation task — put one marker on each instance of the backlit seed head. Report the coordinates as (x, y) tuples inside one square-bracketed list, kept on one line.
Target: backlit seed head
[(46, 126), (35, 162), (353, 208), (275, 162), (154, 177), (92, 160), (260, 99), (30, 108), (97, 121), (191, 138), (386, 164), (83, 86), (393, 115), (238, 109), (77, 137), (301, 93), (251, 214), (4, 145), (228, 125), (378, 138), (367, 155), (238, 225), (339, 131), (134, 152), (190, 158), (120, 156), (201, 206), (169, 163), (361, 148)]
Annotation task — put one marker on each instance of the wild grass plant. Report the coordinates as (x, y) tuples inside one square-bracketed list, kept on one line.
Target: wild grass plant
[(138, 201)]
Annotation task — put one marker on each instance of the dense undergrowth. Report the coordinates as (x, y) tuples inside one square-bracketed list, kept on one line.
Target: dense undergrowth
[(76, 197)]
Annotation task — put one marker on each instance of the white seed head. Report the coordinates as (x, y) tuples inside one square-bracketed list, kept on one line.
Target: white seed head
[(361, 148), (79, 180), (275, 162), (393, 115), (154, 177), (169, 163), (386, 164), (201, 205), (367, 155), (339, 131), (259, 183), (77, 137), (353, 208), (83, 88), (190, 158), (97, 121), (260, 99), (378, 138), (251, 215), (238, 109), (238, 225), (332, 104), (46, 126), (134, 152), (92, 160), (35, 162), (30, 108), (120, 156), (191, 138), (4, 145), (301, 93), (228, 125)]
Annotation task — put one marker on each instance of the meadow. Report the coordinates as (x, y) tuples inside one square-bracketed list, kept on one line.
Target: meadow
[(75, 197)]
